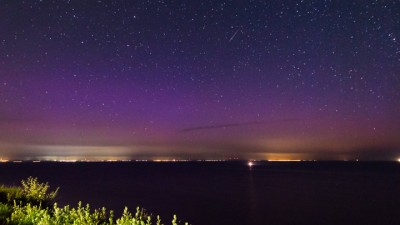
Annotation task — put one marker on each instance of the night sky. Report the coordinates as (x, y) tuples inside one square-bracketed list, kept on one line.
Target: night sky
[(199, 79)]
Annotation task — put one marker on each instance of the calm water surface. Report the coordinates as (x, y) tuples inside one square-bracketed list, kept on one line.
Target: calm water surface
[(211, 193)]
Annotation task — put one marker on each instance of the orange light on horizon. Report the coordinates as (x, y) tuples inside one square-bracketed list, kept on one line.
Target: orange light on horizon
[(284, 160)]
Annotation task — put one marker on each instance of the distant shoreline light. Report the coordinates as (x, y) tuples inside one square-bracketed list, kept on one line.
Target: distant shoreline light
[(249, 163)]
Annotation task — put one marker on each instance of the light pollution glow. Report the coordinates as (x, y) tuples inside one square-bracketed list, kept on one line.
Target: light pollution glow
[(285, 80)]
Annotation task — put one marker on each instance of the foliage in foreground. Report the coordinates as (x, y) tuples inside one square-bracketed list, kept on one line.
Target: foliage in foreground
[(30, 205), (31, 191)]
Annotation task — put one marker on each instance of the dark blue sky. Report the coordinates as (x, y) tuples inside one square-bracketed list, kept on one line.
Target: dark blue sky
[(206, 79)]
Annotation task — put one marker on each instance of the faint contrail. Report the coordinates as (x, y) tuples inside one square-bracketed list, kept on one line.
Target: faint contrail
[(233, 36), (217, 126)]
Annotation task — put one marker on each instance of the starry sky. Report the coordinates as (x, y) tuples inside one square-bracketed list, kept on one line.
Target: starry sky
[(199, 79)]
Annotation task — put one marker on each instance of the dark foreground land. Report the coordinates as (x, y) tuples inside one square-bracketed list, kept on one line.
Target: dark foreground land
[(211, 193)]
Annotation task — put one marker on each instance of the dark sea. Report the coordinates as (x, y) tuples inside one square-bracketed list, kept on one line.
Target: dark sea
[(222, 193)]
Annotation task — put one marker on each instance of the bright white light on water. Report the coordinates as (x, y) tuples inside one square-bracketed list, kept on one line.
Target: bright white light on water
[(398, 160), (250, 164)]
